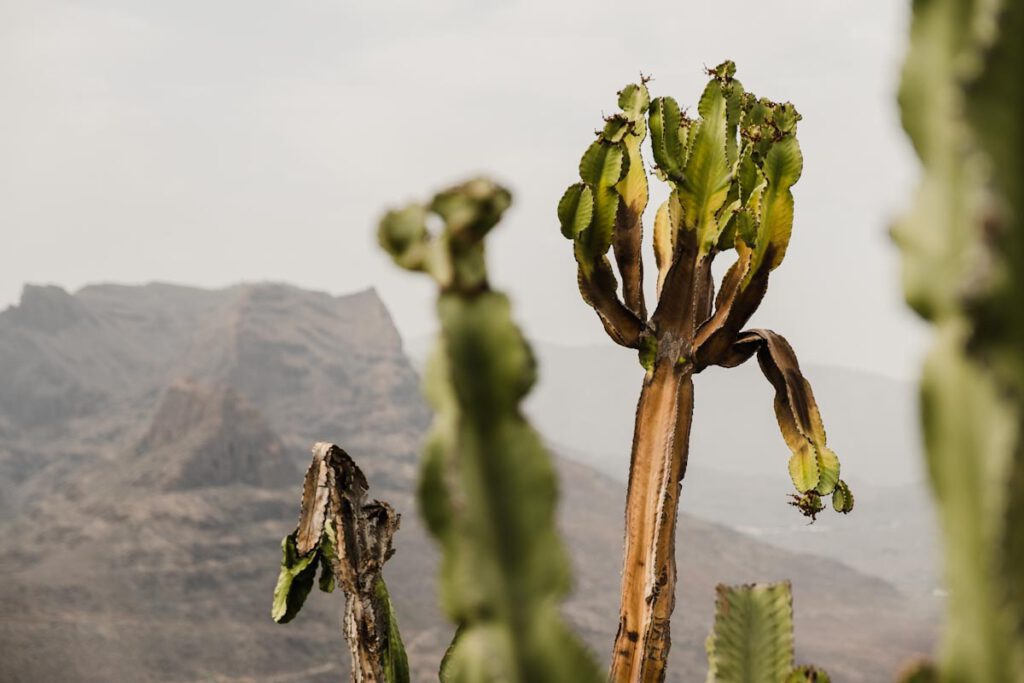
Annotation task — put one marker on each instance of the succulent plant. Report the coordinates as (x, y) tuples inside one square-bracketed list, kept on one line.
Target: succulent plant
[(752, 637), (487, 488), (962, 102), (730, 170)]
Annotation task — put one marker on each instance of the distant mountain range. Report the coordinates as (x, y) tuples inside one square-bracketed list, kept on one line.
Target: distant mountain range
[(152, 443)]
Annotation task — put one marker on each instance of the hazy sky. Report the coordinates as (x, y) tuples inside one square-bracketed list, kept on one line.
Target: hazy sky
[(208, 142)]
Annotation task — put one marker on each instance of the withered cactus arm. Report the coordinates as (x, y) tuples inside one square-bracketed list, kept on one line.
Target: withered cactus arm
[(350, 539), (488, 489), (813, 467), (730, 172)]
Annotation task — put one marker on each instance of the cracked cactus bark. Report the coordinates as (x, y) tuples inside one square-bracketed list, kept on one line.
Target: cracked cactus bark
[(730, 171), (962, 103), (487, 488), (348, 539)]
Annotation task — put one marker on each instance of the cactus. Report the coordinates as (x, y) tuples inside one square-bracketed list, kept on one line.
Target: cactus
[(752, 637), (349, 540), (730, 171), (487, 489), (962, 103)]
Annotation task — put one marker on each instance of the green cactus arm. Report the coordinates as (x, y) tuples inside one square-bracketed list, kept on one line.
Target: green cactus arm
[(735, 97), (783, 166), (995, 109), (602, 167), (350, 540), (294, 581), (633, 193), (962, 103), (760, 220), (395, 661), (706, 177), (488, 490), (669, 131), (752, 637), (944, 43), (604, 211), (971, 436), (575, 210)]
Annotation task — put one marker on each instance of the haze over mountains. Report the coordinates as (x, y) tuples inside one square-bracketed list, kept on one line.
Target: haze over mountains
[(585, 404), (152, 443), (737, 472)]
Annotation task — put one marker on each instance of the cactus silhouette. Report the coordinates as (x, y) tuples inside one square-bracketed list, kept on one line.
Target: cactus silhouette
[(962, 103), (730, 171), (487, 488)]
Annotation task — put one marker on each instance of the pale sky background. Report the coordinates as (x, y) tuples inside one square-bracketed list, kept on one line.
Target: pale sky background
[(213, 141)]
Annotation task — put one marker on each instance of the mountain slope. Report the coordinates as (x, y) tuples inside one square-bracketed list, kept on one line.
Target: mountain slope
[(140, 538)]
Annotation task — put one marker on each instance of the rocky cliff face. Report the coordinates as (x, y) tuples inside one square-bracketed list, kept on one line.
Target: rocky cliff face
[(202, 437), (85, 373), (152, 442)]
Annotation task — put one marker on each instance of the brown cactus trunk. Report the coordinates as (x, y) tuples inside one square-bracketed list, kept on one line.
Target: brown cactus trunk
[(660, 447)]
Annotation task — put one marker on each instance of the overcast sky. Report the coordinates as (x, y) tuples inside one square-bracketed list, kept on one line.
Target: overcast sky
[(213, 141)]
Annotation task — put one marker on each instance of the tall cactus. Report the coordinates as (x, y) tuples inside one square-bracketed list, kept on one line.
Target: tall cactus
[(488, 489), (730, 172), (962, 101)]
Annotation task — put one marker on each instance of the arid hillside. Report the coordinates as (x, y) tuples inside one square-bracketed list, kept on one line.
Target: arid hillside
[(152, 443)]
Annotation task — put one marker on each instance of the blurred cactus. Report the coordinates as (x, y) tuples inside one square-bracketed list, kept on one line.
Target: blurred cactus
[(488, 490), (349, 540), (730, 171), (962, 101), (752, 637)]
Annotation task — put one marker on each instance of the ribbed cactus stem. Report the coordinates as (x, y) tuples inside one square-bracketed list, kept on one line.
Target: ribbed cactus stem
[(962, 104), (488, 488), (660, 445)]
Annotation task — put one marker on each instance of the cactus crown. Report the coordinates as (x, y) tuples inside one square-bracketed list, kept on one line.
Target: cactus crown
[(730, 170)]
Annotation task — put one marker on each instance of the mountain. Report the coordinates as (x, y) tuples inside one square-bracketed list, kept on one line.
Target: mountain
[(84, 373), (152, 443)]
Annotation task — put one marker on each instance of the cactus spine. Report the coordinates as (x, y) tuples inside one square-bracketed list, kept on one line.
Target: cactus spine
[(730, 171), (962, 102), (488, 489)]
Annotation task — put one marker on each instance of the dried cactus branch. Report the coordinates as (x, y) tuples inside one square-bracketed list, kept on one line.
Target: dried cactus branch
[(813, 467), (350, 539)]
